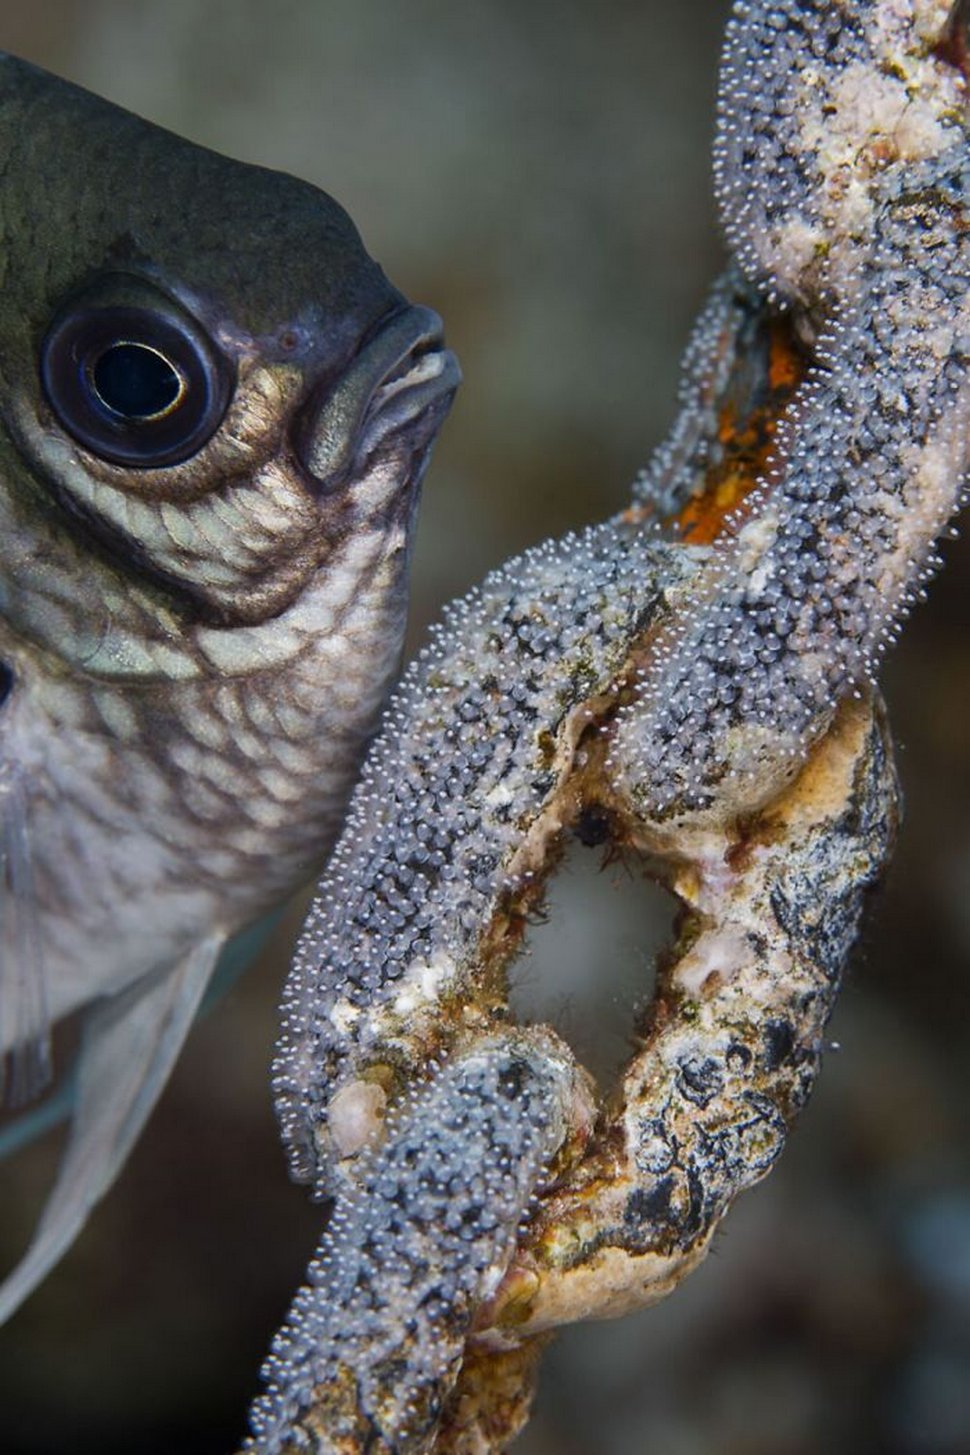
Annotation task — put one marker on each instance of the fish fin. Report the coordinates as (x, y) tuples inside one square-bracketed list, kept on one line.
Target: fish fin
[(28, 1126), (129, 1045), (235, 959), (25, 1063)]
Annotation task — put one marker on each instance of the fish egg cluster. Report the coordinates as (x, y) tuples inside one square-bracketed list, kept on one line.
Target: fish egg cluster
[(802, 594), (461, 770), (378, 1331), (700, 675), (777, 60)]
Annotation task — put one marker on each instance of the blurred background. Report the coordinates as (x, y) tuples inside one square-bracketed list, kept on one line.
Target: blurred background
[(539, 174)]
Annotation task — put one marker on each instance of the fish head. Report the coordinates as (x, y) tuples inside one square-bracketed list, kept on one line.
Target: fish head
[(206, 384)]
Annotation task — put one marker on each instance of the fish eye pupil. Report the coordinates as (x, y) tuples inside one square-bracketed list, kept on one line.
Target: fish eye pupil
[(137, 382)]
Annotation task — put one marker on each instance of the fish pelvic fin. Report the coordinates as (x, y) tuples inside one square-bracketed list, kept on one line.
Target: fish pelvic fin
[(130, 1043)]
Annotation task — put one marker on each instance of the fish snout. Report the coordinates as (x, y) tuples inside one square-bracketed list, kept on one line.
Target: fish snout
[(394, 393)]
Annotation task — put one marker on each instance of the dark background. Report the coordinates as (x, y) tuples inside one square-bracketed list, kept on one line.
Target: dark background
[(538, 173)]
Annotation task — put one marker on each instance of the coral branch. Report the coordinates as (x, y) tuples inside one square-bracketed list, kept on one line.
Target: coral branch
[(701, 700)]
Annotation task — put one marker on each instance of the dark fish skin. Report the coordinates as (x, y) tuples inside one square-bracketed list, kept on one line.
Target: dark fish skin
[(215, 415)]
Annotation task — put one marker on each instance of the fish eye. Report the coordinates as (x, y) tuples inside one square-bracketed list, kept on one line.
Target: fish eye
[(135, 382)]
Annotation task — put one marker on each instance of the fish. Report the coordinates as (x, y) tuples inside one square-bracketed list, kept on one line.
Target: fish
[(216, 413)]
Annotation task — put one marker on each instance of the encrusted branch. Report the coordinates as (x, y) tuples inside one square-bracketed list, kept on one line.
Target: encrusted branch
[(698, 697)]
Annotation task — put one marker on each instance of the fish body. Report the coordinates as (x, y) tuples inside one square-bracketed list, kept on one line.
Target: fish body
[(215, 414)]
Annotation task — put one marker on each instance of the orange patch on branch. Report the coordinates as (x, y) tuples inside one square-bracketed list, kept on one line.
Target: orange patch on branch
[(747, 421)]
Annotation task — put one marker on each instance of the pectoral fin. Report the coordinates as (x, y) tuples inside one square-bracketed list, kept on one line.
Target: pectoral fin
[(129, 1047)]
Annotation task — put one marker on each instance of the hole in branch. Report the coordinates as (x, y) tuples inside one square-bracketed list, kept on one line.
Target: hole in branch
[(588, 965)]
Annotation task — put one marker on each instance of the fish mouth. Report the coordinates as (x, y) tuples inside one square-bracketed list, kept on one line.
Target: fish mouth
[(394, 394)]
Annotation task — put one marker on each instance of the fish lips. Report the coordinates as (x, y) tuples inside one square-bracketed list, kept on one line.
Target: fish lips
[(391, 399)]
